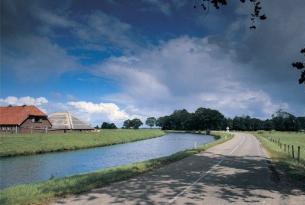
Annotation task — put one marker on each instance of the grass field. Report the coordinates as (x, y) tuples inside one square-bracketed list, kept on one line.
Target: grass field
[(25, 144), (288, 138), (45, 192), (282, 157)]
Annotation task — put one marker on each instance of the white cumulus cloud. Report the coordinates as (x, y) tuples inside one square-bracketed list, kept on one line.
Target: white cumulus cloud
[(186, 73), (109, 111), (27, 100)]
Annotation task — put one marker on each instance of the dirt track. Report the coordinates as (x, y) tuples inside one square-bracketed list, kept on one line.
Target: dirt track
[(235, 172)]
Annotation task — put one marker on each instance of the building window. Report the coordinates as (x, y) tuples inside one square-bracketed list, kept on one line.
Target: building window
[(36, 120)]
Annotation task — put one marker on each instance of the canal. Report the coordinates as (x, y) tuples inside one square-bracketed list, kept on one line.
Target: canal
[(35, 168)]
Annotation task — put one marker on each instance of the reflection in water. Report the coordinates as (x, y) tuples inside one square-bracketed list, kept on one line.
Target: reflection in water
[(34, 168)]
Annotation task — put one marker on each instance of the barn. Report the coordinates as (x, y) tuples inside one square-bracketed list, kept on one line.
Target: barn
[(66, 121), (23, 119)]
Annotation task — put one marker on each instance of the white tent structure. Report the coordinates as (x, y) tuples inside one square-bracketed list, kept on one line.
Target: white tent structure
[(66, 121)]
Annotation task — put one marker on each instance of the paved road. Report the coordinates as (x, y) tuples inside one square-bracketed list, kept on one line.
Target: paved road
[(235, 172)]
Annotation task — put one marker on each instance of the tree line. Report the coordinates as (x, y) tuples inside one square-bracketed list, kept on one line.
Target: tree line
[(210, 119)]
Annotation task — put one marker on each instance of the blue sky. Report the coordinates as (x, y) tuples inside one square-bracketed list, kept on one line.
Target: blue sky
[(112, 60)]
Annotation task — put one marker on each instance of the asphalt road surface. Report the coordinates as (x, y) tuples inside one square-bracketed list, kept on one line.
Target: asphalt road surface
[(235, 172)]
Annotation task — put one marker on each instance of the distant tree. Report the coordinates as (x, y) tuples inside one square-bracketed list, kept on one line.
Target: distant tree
[(239, 123), (136, 123), (164, 122), (246, 123), (127, 124), (301, 122), (300, 66), (209, 119), (107, 125), (151, 122), (268, 125), (284, 121), (178, 119), (229, 123), (96, 127)]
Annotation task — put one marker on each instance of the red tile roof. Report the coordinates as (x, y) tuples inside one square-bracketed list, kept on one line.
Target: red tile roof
[(15, 115)]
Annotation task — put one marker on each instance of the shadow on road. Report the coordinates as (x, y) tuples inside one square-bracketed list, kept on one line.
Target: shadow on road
[(247, 179)]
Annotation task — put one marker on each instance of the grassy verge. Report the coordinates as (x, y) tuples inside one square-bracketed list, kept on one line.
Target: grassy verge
[(281, 158), (26, 144), (44, 192)]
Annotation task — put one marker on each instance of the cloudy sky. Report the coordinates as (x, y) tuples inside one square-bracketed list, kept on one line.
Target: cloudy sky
[(112, 60)]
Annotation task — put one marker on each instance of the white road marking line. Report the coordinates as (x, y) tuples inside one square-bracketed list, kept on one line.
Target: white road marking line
[(206, 173)]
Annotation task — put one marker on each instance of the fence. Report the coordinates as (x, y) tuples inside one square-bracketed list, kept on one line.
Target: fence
[(294, 151)]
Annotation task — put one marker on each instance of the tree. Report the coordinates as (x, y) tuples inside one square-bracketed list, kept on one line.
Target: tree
[(300, 66), (301, 122), (107, 125), (151, 122), (164, 122), (268, 125), (284, 121), (127, 124), (209, 119), (255, 14), (179, 119), (229, 123), (96, 127), (136, 123)]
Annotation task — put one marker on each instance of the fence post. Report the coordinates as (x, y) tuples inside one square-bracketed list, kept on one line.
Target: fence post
[(288, 148), (292, 149), (299, 153), (284, 147), (278, 142)]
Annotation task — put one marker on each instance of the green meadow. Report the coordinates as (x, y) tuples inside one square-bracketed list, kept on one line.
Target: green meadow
[(282, 157), (26, 144), (46, 192)]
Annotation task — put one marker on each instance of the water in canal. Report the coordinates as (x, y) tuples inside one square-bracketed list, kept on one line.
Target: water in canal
[(34, 168)]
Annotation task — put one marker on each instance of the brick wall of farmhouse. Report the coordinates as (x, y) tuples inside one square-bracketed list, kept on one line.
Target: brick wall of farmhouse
[(35, 125)]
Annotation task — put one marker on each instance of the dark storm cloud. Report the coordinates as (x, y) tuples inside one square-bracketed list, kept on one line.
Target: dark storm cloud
[(27, 49), (271, 49), (32, 33)]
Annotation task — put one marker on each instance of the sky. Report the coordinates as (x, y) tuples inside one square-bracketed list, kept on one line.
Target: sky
[(112, 60)]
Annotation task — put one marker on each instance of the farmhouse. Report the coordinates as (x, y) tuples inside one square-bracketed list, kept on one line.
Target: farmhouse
[(23, 119), (66, 121)]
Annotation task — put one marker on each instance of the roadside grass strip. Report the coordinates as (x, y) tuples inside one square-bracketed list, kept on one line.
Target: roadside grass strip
[(45, 192)]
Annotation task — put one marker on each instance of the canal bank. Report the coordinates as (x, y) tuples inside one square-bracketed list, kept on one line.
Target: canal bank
[(44, 192), (62, 164), (39, 143)]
